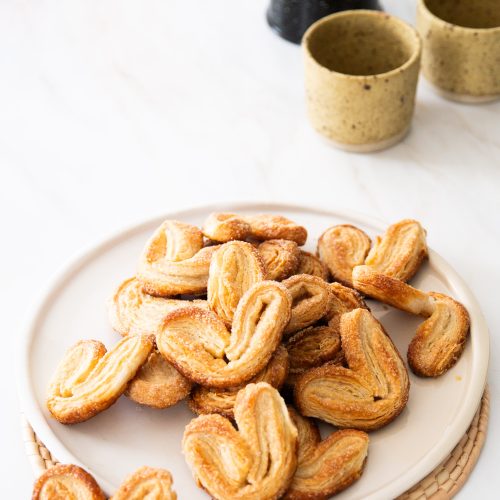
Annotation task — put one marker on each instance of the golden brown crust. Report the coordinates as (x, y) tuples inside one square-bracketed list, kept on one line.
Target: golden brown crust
[(131, 311), (174, 261), (325, 467), (392, 291), (224, 227), (368, 394), (198, 344), (146, 482), (88, 380), (400, 251), (66, 481), (342, 248), (236, 266), (204, 401), (440, 340), (344, 299), (257, 461), (158, 384), (312, 347), (281, 258), (311, 299), (276, 227), (310, 264)]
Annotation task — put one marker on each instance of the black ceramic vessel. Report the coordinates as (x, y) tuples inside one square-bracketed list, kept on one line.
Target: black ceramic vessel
[(291, 18)]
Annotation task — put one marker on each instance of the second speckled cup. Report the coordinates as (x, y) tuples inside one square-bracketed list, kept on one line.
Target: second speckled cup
[(361, 73), (461, 54)]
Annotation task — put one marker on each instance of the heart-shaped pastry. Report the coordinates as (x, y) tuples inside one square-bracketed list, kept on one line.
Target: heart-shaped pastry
[(158, 384), (400, 251), (368, 394), (342, 248), (198, 344), (146, 483), (310, 264), (311, 300), (235, 267), (204, 400), (344, 299), (325, 467), (439, 340), (131, 311), (257, 460), (174, 261), (88, 380), (66, 481), (280, 257)]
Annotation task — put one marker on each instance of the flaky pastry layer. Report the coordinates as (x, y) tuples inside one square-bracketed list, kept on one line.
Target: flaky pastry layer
[(311, 300), (440, 339), (158, 384), (254, 462), (342, 248), (131, 311), (310, 264), (198, 344), (367, 395), (235, 267), (88, 380), (392, 291), (325, 467), (280, 257), (146, 483), (400, 251), (204, 400), (66, 481)]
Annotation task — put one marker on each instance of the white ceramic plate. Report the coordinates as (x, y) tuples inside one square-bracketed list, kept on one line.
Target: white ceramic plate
[(126, 436)]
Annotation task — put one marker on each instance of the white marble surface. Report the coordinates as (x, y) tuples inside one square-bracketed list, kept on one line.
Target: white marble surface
[(114, 111)]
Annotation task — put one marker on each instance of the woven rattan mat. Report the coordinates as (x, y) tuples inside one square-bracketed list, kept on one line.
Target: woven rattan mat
[(442, 483)]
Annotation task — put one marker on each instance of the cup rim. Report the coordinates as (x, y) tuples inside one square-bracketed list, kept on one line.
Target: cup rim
[(423, 5), (415, 55)]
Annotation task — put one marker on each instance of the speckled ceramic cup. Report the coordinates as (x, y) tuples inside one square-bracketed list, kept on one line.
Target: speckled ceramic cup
[(361, 72), (461, 54)]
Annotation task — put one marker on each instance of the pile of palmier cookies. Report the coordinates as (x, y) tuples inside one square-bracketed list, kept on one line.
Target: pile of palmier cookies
[(228, 316)]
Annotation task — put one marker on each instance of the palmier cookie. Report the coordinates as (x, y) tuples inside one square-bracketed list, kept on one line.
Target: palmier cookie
[(342, 248), (257, 461), (368, 394), (312, 347), (400, 251), (310, 264), (440, 340), (311, 299), (205, 401), (224, 227), (325, 467), (276, 227), (175, 262), (280, 257), (158, 384), (66, 481), (131, 311), (88, 380), (146, 482), (236, 266), (198, 344), (392, 291)]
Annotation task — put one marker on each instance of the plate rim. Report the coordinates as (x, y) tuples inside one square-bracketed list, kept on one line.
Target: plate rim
[(465, 415)]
